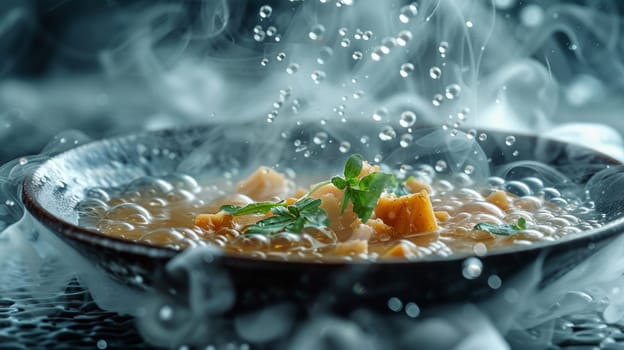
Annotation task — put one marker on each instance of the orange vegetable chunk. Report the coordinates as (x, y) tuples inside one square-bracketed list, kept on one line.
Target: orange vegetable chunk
[(214, 222), (265, 184), (407, 214)]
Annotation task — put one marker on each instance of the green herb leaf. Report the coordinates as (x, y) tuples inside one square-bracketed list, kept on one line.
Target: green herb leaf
[(292, 218), (339, 182), (353, 167), (502, 230), (254, 208)]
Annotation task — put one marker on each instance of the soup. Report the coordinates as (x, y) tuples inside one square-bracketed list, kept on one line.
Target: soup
[(363, 214)]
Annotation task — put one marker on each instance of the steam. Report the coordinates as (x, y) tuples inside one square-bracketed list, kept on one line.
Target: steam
[(455, 65)]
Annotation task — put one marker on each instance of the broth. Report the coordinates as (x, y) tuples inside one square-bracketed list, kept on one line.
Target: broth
[(178, 212)]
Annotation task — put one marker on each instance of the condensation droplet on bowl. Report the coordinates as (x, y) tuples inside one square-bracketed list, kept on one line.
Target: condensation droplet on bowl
[(280, 56), (437, 100), (345, 42), (412, 310), (292, 68), (440, 166), (357, 55), (344, 147), (405, 140), (443, 48), (380, 114), (264, 62), (510, 140), (317, 76), (343, 31)]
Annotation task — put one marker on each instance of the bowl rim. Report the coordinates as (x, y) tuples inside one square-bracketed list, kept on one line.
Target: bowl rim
[(120, 245)]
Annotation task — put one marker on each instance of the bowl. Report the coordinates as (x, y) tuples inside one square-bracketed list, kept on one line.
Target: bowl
[(53, 191)]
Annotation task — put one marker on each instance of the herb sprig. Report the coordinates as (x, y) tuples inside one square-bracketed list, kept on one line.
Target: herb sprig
[(502, 230), (291, 218), (365, 192)]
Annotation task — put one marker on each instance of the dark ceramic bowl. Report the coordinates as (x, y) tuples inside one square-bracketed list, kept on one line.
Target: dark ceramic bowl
[(52, 193)]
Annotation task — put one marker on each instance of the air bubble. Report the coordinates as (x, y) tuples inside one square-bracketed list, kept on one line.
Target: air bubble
[(320, 138), (443, 48), (437, 100), (440, 166), (387, 133), (316, 33), (408, 12), (317, 76), (510, 140), (292, 68), (472, 268), (380, 114), (404, 37), (344, 147), (265, 11), (452, 91), (405, 140), (408, 118), (406, 69), (435, 72)]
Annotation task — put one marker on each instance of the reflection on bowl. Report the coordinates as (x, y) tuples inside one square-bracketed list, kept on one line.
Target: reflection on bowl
[(53, 192)]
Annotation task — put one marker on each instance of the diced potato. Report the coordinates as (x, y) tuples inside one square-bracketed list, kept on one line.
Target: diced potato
[(331, 198), (214, 222), (404, 249), (265, 184), (500, 199), (415, 186), (407, 214), (353, 247)]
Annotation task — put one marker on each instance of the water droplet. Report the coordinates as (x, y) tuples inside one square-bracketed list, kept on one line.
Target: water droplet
[(483, 136), (345, 42), (358, 94), (469, 24), (316, 33), (437, 100), (405, 140), (376, 54), (406, 69), (387, 133), (471, 134), (407, 12), (265, 11), (320, 138), (346, 2), (479, 249), (101, 344), (23, 161), (404, 37), (259, 36), (325, 54), (280, 56), (395, 304), (358, 34), (271, 31), (443, 48), (472, 268), (412, 310), (367, 35), (452, 91), (494, 282), (440, 166), (357, 55), (386, 45), (165, 313), (380, 114), (469, 169), (364, 139), (344, 147), (317, 76), (292, 68), (264, 62), (463, 114), (9, 203), (510, 140), (343, 31), (435, 72), (408, 118)]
